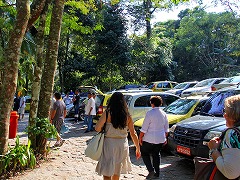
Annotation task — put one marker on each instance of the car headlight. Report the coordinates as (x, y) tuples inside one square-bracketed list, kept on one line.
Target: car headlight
[(171, 130), (212, 134)]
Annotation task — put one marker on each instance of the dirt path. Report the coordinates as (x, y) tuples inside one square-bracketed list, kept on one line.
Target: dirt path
[(69, 162)]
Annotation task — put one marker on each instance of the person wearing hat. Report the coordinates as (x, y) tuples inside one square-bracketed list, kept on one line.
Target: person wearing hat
[(90, 111)]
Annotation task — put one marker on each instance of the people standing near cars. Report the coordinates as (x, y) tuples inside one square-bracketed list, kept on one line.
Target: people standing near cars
[(58, 114), (153, 136), (90, 111), (22, 106), (225, 151), (67, 100), (76, 99), (115, 155)]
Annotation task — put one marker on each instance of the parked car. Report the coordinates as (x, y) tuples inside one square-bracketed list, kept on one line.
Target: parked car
[(228, 82), (179, 110), (83, 90), (161, 85), (203, 87), (139, 103), (177, 90), (130, 86), (189, 137), (131, 90)]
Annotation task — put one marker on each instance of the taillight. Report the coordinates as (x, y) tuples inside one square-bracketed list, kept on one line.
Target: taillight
[(100, 110), (213, 88)]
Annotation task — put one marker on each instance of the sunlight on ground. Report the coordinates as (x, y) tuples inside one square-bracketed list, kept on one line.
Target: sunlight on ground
[(164, 165)]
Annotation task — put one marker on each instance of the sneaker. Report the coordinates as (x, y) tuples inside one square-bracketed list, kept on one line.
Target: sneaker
[(150, 175)]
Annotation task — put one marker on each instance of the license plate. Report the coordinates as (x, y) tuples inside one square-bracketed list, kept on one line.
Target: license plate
[(183, 150)]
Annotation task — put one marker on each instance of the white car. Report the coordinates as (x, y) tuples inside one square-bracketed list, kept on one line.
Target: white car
[(178, 89), (203, 87), (235, 80), (139, 103)]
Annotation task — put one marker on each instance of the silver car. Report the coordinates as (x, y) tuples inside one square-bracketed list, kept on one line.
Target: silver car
[(139, 103), (202, 88)]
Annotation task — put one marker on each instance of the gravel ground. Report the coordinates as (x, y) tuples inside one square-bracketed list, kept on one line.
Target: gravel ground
[(69, 162)]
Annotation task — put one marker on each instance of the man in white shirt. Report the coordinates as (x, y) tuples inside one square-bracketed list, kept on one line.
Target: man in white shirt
[(153, 136), (90, 111)]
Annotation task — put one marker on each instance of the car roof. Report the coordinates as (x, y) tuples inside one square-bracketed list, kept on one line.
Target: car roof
[(199, 97), (148, 93), (163, 81)]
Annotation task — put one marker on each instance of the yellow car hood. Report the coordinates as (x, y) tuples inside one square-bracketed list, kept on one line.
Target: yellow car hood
[(174, 118), (139, 122)]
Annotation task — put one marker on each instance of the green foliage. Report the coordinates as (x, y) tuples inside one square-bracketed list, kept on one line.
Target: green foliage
[(17, 159), (42, 128), (206, 41)]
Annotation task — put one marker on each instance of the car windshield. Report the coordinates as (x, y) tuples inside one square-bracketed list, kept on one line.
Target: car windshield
[(180, 86), (150, 85), (204, 83), (215, 105), (180, 106), (235, 79)]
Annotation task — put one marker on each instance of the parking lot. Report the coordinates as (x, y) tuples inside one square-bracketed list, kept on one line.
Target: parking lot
[(69, 161)]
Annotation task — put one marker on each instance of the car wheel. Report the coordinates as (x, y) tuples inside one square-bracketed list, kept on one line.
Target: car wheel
[(81, 115)]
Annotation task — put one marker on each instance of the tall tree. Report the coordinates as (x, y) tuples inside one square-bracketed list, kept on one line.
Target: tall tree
[(50, 65), (38, 67), (206, 41), (143, 11), (10, 68)]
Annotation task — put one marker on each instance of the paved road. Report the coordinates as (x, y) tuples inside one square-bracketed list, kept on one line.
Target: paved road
[(69, 161)]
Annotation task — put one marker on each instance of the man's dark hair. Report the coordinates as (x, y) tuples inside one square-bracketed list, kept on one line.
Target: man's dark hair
[(57, 95), (156, 100)]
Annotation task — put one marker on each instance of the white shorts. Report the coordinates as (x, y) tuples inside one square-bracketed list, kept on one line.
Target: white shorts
[(21, 110)]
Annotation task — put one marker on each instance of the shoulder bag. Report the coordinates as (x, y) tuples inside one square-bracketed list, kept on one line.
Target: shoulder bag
[(95, 146), (206, 169)]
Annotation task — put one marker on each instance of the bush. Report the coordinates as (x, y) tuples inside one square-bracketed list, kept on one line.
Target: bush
[(17, 159)]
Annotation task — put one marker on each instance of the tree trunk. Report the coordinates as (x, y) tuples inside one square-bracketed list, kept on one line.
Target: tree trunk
[(50, 63), (147, 7), (9, 71), (36, 9), (38, 67)]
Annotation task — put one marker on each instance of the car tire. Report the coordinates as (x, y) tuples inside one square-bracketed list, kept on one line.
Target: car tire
[(81, 115)]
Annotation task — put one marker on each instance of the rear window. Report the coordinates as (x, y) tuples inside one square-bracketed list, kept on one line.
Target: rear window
[(166, 85), (144, 101)]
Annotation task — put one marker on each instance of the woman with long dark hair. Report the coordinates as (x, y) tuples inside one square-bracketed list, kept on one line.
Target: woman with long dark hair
[(117, 121)]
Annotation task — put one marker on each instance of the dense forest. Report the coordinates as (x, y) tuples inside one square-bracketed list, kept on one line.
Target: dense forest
[(198, 45)]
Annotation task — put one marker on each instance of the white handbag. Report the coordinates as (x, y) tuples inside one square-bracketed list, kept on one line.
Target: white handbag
[(95, 147)]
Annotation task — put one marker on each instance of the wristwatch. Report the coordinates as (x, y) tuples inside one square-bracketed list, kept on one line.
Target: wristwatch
[(212, 150)]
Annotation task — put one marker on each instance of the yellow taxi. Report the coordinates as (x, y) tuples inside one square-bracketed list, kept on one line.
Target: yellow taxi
[(180, 109), (161, 85)]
